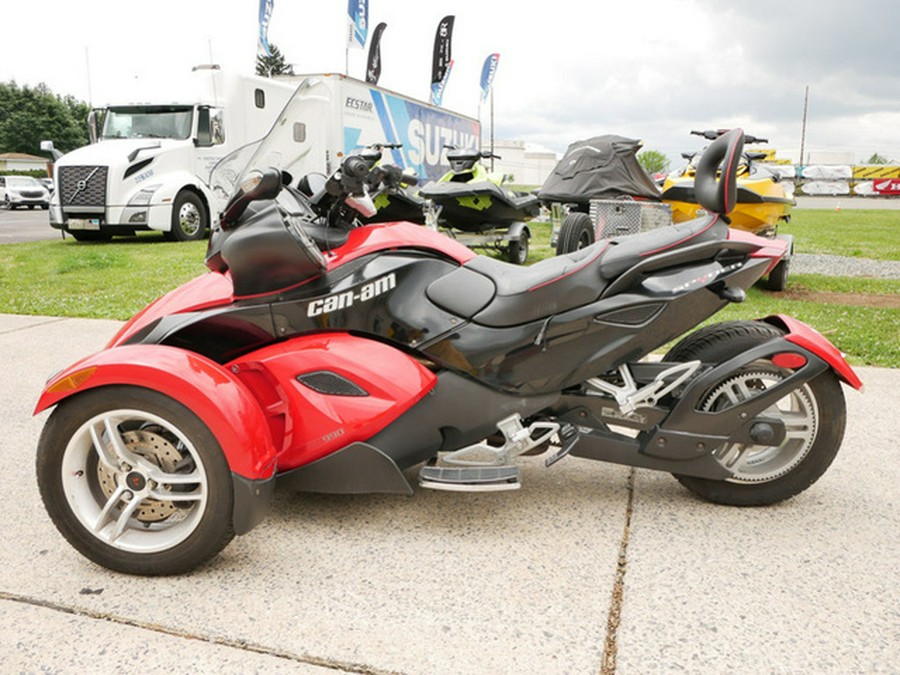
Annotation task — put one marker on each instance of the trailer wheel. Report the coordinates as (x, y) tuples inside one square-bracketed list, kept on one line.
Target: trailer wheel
[(518, 249), (189, 217), (576, 233)]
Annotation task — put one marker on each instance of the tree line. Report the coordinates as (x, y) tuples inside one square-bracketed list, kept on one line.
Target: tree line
[(29, 115)]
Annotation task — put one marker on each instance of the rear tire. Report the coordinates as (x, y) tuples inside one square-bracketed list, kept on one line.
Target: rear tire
[(814, 415), (135, 481), (577, 232)]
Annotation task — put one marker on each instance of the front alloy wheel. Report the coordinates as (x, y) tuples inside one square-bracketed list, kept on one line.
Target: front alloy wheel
[(135, 481)]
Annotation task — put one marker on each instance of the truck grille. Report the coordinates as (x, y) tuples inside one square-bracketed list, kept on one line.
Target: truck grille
[(82, 185)]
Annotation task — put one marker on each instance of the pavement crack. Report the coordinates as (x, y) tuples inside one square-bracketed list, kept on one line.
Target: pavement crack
[(243, 645), (610, 645), (32, 326)]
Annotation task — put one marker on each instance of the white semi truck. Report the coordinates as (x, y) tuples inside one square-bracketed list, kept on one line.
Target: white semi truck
[(149, 164), (149, 159)]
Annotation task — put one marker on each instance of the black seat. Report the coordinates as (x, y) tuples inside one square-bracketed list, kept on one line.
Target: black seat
[(498, 294), (626, 252)]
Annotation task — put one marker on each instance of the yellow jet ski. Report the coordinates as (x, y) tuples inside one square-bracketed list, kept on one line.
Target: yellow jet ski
[(763, 200)]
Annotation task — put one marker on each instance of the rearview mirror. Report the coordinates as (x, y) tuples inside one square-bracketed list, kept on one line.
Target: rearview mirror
[(257, 185)]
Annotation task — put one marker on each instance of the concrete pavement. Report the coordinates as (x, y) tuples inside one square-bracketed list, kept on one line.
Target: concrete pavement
[(584, 560)]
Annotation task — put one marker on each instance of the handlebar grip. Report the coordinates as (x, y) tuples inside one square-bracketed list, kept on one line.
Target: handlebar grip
[(355, 166), (409, 179)]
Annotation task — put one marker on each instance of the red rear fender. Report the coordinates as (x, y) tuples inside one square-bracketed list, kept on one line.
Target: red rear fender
[(213, 393), (811, 339)]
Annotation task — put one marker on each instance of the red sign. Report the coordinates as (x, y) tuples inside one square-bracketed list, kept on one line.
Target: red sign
[(887, 186)]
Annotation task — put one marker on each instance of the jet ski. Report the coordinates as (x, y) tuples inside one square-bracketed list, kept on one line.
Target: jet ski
[(763, 199), (468, 200)]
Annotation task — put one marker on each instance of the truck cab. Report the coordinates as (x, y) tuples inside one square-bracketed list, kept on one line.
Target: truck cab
[(149, 159)]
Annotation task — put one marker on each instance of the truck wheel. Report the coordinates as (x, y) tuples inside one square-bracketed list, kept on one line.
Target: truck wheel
[(518, 249), (189, 218), (576, 233)]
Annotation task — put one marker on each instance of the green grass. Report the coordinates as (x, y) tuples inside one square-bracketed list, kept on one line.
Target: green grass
[(109, 280), (856, 234), (114, 280)]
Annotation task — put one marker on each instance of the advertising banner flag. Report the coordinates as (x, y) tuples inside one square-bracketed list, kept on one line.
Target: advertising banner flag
[(487, 74), (265, 13), (373, 67), (440, 60), (437, 88), (358, 16)]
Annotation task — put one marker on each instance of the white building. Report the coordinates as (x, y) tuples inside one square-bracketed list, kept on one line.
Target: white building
[(527, 166), (19, 161)]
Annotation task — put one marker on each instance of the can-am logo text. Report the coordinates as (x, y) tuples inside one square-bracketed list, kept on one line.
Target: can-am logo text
[(346, 299)]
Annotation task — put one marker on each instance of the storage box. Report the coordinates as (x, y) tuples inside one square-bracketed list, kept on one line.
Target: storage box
[(619, 217)]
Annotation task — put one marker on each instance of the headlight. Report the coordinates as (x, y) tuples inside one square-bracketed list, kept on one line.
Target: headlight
[(143, 197)]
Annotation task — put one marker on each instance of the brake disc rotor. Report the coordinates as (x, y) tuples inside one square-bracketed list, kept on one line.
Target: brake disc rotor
[(156, 449)]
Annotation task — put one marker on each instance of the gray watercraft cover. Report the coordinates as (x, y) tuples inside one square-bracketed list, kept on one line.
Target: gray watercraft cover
[(603, 167)]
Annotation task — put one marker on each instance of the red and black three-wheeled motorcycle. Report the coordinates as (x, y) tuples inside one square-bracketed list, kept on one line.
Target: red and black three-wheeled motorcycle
[(327, 357)]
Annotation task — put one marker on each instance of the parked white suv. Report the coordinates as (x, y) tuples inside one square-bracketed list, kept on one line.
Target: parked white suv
[(16, 191)]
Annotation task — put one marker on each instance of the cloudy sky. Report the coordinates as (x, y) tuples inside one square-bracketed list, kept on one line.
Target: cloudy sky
[(648, 69)]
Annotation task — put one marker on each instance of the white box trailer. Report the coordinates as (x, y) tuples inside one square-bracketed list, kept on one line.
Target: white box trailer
[(340, 114), (149, 161)]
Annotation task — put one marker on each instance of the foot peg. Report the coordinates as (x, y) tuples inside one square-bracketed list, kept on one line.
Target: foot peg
[(517, 440), (470, 479), (568, 437)]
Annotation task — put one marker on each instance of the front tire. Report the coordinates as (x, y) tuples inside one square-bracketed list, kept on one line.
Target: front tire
[(189, 217), (814, 415), (135, 481)]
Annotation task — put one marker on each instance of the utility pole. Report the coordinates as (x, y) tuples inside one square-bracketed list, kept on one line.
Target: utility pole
[(803, 132)]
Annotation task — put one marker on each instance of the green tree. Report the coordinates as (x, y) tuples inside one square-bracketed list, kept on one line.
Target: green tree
[(653, 161), (267, 66), (877, 159), (29, 115)]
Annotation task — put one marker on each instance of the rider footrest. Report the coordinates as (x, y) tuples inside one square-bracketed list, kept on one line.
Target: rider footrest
[(470, 479), (568, 437)]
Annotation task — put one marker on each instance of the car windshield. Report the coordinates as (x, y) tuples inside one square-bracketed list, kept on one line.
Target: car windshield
[(148, 122), (22, 182), (283, 148)]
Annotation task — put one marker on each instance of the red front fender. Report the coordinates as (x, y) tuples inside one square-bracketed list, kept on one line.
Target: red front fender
[(214, 394), (811, 339)]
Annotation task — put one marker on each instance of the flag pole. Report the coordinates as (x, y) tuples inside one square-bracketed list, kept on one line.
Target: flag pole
[(492, 128)]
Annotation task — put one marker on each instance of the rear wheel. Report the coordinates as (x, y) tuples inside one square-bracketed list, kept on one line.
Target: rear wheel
[(813, 413), (135, 481), (576, 233)]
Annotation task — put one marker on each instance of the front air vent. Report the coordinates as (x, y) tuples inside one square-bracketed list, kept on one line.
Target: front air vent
[(326, 382), (137, 166)]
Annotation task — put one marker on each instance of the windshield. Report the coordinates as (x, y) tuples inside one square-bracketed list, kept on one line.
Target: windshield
[(283, 148), (148, 122), (22, 182)]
